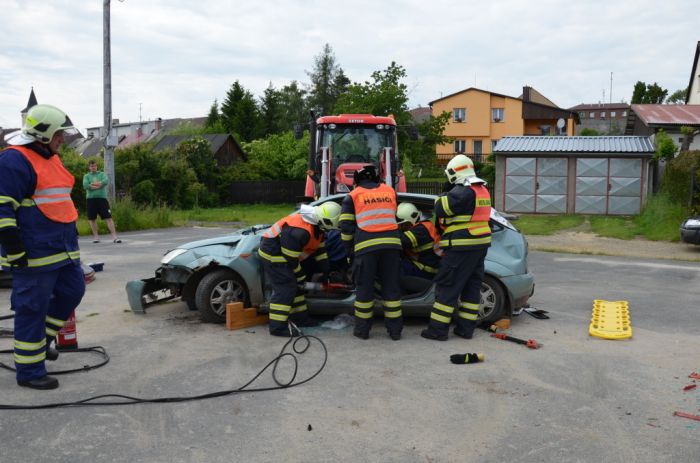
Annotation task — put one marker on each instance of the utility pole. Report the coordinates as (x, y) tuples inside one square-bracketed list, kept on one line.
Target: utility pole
[(611, 121), (109, 141)]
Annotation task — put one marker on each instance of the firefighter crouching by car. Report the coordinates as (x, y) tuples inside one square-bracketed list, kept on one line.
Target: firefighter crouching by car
[(292, 239), (370, 234), (463, 213), (39, 240), (420, 241)]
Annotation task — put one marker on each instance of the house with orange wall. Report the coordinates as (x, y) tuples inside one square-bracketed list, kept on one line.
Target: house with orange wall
[(479, 119)]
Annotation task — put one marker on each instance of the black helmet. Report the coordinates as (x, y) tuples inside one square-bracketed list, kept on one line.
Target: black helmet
[(368, 172)]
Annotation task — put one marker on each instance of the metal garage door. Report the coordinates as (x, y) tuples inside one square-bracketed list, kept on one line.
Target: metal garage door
[(536, 185), (608, 186)]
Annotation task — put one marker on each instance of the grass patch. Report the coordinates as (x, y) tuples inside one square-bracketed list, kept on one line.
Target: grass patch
[(614, 227), (660, 219), (547, 224), (248, 214), (129, 216)]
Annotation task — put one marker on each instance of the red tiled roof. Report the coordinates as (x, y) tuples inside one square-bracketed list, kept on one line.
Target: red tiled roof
[(672, 114)]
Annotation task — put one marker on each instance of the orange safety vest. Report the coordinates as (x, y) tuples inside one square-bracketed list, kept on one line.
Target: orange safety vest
[(53, 186), (375, 208), (434, 234), (478, 222), (295, 220)]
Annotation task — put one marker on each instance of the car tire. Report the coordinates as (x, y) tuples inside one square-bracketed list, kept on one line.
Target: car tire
[(493, 301), (217, 289)]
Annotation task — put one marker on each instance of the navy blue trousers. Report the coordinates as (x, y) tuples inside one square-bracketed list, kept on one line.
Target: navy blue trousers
[(42, 303)]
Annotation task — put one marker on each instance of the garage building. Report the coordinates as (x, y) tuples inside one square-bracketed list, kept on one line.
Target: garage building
[(572, 175)]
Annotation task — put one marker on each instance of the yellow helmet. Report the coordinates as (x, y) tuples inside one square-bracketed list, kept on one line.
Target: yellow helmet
[(43, 121), (328, 215), (407, 213)]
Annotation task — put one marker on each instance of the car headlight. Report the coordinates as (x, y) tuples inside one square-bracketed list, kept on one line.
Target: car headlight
[(342, 188), (170, 255), (692, 223)]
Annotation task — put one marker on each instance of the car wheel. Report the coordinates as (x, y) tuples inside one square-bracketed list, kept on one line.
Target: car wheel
[(217, 289), (493, 301)]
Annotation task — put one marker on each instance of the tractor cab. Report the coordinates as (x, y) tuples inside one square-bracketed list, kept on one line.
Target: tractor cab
[(342, 144)]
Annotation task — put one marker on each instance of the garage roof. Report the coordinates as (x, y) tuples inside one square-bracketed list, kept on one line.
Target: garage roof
[(539, 144), (671, 114)]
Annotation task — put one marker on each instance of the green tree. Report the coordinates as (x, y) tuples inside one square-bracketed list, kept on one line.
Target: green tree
[(292, 106), (229, 108), (384, 94), (248, 124), (327, 82), (270, 111), (665, 148), (678, 97), (421, 153), (588, 132), (648, 93), (640, 89), (213, 117), (278, 157)]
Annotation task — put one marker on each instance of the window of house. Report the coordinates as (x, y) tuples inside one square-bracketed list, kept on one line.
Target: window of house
[(613, 114), (602, 114), (493, 144), (460, 114), (591, 115), (460, 146), (582, 115), (545, 129), (496, 114), (477, 147), (624, 113)]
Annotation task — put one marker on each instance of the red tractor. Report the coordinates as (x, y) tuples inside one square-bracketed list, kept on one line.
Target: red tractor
[(342, 144)]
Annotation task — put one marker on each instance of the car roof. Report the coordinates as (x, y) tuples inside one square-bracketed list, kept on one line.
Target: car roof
[(411, 197)]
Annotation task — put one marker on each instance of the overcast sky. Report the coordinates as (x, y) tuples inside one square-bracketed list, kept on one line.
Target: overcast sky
[(173, 58)]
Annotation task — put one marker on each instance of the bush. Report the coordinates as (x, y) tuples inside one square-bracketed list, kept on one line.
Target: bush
[(144, 192), (660, 218), (676, 181)]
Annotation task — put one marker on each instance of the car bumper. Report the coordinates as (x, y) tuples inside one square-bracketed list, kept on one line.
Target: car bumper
[(690, 235), (520, 289)]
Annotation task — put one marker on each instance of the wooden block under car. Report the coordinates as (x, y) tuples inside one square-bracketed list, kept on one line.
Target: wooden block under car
[(503, 323), (237, 317)]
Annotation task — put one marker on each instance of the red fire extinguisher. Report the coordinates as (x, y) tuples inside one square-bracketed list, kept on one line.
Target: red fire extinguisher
[(68, 336)]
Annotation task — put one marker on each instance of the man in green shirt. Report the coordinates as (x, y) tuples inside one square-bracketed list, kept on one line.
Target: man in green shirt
[(95, 185)]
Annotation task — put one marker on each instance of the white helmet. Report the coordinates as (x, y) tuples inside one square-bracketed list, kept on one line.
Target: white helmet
[(328, 215), (43, 121), (407, 213), (461, 169)]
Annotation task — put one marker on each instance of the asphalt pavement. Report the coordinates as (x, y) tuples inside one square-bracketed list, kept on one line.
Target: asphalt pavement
[(577, 399)]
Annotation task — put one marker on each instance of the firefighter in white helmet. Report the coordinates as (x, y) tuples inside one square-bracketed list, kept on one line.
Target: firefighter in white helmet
[(463, 214), (420, 240), (39, 240), (290, 240)]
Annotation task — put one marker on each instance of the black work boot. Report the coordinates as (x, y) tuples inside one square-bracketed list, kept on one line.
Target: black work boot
[(45, 382), (436, 331), (51, 351), (283, 330), (465, 328), (362, 328), (303, 319), (394, 326)]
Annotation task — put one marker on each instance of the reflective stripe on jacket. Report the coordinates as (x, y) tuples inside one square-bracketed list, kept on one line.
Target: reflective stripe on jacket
[(424, 248), (311, 247), (53, 186), (464, 214)]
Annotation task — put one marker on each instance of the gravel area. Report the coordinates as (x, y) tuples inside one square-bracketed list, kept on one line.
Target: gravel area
[(579, 242)]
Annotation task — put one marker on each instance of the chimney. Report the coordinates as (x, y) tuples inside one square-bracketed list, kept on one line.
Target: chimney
[(159, 123), (526, 93)]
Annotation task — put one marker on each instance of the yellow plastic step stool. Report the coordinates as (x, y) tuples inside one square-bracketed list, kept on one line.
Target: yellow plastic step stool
[(610, 320)]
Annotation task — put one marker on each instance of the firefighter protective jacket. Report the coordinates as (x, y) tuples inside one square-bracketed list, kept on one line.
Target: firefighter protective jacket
[(291, 240), (421, 245), (463, 215), (37, 216), (368, 219)]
